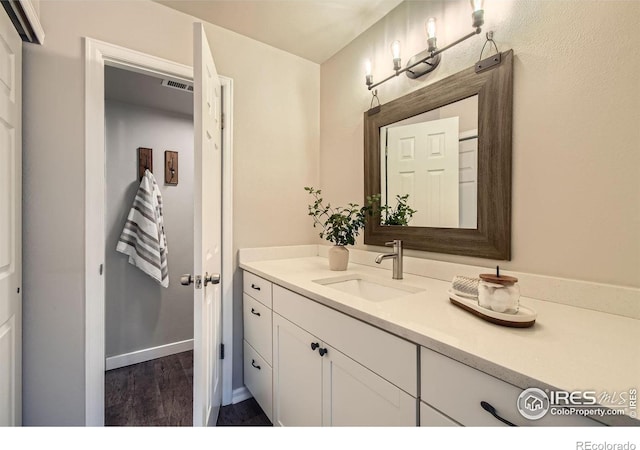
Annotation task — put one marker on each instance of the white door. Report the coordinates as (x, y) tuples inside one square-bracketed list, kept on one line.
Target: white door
[(297, 376), (207, 383), (422, 161), (469, 179), (10, 224), (355, 396)]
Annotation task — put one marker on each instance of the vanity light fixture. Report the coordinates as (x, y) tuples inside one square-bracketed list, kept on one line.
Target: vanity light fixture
[(367, 72), (427, 60), (395, 52)]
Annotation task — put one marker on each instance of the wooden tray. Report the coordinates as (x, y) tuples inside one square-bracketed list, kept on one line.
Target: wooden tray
[(523, 319)]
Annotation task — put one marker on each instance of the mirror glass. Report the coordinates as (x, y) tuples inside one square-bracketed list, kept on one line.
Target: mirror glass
[(432, 159)]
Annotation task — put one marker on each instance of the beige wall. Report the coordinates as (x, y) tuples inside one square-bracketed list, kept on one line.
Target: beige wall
[(36, 6), (576, 137), (276, 135)]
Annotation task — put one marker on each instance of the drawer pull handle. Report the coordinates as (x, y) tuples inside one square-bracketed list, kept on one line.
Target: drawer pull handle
[(323, 351), (314, 346), (253, 363), (491, 410), (253, 311), (253, 286)]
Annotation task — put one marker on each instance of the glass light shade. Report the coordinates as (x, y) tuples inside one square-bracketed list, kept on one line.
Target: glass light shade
[(395, 49), (431, 27), (367, 67), (477, 5)]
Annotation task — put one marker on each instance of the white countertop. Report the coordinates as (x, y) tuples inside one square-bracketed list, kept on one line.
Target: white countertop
[(568, 348)]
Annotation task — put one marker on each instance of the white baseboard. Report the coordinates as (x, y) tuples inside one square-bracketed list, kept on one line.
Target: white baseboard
[(240, 394), (147, 354)]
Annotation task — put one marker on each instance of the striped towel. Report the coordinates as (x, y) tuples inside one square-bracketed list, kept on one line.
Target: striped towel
[(143, 237)]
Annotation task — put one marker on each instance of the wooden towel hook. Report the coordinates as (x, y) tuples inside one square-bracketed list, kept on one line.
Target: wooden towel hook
[(145, 161)]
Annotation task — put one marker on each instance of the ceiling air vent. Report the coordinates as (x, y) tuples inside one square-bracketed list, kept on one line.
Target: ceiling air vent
[(178, 85)]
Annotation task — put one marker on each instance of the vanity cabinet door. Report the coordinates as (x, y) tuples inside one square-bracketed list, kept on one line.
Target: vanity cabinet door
[(297, 376), (355, 396)]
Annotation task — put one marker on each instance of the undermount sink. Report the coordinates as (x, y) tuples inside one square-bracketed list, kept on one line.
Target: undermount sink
[(367, 288)]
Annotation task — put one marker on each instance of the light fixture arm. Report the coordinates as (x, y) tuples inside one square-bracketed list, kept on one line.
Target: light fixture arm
[(432, 60), (462, 39)]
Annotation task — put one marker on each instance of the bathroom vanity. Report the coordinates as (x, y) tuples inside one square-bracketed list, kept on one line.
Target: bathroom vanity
[(325, 348)]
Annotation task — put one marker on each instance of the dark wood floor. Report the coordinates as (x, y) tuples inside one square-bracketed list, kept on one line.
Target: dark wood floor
[(160, 393), (245, 414), (153, 393)]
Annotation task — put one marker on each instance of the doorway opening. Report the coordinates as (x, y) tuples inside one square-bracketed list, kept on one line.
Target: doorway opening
[(103, 351), (149, 328)]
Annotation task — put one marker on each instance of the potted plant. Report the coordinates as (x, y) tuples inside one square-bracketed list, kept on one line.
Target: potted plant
[(340, 225), (400, 215)]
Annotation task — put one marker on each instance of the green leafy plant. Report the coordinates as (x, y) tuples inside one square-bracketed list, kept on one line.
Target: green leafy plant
[(400, 215), (339, 225)]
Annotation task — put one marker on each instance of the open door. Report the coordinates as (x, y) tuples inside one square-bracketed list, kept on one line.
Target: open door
[(10, 224), (207, 383)]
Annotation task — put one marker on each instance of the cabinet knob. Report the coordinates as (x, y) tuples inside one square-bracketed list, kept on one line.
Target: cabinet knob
[(491, 410), (253, 286), (323, 351), (253, 311), (314, 346), (253, 363)]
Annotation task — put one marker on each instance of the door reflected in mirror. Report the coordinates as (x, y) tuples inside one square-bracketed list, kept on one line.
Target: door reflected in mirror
[(433, 159)]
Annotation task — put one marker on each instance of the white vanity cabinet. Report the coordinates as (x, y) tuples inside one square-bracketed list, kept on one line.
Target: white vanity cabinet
[(257, 346), (309, 365), (297, 383), (452, 392), (332, 370)]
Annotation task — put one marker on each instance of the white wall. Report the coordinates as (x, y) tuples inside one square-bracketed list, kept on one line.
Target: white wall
[(576, 164), (276, 133), (140, 313)]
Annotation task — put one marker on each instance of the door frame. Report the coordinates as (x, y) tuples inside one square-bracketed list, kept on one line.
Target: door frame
[(97, 55)]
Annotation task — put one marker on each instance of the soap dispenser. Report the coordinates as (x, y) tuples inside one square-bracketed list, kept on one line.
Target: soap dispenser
[(499, 293)]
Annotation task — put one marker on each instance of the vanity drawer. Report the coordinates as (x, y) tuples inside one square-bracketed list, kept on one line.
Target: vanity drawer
[(457, 390), (429, 417), (257, 287), (385, 354), (258, 379), (257, 326)]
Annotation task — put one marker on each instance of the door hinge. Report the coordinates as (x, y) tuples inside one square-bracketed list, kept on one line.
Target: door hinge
[(221, 351), (101, 268), (222, 121)]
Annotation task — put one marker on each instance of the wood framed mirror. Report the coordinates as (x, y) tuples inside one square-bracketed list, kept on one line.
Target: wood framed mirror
[(451, 217)]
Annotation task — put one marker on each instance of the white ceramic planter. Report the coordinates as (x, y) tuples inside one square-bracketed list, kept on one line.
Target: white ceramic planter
[(338, 257)]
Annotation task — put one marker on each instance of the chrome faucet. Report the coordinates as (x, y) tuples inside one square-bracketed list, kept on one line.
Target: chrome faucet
[(397, 258)]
